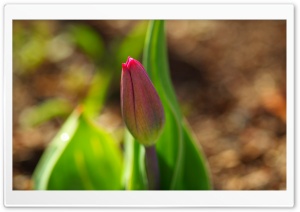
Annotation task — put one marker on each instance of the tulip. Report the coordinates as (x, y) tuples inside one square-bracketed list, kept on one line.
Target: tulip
[(142, 109)]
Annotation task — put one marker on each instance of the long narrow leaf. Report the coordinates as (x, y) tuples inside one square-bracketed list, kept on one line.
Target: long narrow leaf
[(195, 170), (182, 165), (170, 144)]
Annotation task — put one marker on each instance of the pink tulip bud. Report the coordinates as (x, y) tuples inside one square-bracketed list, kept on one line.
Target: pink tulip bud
[(141, 107)]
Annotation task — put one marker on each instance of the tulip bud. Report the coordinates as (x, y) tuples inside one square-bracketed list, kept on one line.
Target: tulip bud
[(141, 107)]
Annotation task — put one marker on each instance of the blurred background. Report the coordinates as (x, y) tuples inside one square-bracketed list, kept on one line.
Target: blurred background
[(229, 77)]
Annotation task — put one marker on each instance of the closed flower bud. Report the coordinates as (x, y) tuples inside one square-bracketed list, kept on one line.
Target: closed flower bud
[(141, 107)]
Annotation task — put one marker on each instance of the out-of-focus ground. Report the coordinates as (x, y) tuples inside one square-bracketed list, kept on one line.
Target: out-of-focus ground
[(229, 77)]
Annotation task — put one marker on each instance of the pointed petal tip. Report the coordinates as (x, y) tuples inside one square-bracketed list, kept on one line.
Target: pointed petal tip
[(131, 62), (124, 67), (128, 60)]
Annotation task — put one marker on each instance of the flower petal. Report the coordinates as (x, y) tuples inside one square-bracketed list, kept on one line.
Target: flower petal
[(141, 107)]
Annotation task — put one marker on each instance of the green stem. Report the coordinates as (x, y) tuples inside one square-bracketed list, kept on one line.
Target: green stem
[(152, 168)]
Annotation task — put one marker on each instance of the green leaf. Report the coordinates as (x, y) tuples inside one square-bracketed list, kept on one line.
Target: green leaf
[(88, 40), (182, 165), (45, 111), (80, 157), (170, 144), (196, 177)]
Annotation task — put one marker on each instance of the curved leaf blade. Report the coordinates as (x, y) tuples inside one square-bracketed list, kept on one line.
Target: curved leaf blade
[(80, 157), (180, 160), (156, 64), (195, 168)]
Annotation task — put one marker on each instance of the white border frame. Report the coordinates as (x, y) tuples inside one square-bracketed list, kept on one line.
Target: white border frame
[(147, 198)]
